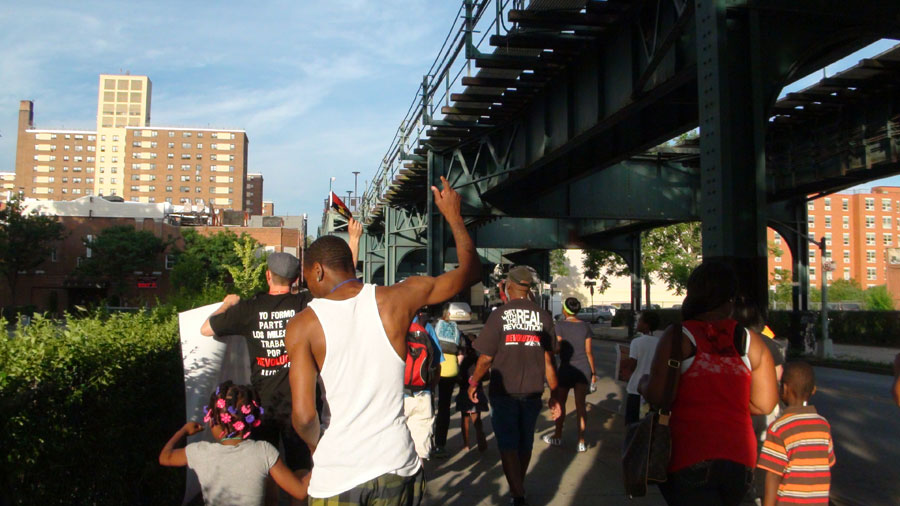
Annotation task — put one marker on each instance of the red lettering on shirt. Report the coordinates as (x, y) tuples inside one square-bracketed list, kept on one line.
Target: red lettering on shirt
[(272, 362), (522, 338)]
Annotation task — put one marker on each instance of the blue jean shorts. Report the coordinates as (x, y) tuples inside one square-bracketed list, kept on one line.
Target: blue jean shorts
[(514, 419)]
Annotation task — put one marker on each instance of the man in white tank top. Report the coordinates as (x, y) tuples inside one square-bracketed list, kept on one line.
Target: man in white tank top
[(353, 338)]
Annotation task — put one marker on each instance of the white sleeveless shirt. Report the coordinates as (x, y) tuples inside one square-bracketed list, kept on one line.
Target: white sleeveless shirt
[(362, 379)]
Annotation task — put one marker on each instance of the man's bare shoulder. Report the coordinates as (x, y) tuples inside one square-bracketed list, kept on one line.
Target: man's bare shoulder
[(300, 326)]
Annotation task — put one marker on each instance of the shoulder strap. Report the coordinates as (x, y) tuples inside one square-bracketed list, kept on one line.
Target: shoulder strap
[(673, 372), (740, 340)]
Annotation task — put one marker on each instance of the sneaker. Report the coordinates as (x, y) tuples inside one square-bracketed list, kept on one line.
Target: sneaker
[(440, 453), (552, 441), (582, 447)]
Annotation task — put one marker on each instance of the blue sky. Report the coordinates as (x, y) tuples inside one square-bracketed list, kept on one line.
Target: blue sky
[(319, 86)]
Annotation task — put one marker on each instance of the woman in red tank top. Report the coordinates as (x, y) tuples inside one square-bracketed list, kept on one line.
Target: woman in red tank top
[(727, 375)]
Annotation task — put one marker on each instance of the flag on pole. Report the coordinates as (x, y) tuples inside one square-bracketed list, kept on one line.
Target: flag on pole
[(338, 205)]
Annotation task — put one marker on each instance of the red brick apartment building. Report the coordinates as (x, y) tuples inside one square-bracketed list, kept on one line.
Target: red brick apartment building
[(127, 157), (859, 228)]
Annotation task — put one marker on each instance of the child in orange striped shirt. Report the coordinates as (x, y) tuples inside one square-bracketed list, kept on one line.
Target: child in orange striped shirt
[(798, 452)]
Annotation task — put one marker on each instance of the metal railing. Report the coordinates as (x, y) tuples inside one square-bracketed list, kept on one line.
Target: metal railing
[(441, 80)]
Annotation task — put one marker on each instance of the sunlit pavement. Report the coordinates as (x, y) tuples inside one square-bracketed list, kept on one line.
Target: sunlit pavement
[(557, 476)]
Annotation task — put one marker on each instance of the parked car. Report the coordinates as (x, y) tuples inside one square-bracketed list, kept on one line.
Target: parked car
[(588, 314), (606, 312)]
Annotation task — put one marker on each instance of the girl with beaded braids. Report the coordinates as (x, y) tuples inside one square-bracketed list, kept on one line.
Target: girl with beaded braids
[(233, 469)]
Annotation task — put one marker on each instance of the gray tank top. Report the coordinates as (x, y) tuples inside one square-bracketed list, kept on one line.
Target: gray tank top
[(571, 348)]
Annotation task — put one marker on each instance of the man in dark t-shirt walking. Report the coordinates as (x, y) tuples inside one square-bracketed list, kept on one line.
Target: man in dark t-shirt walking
[(517, 344), (262, 321)]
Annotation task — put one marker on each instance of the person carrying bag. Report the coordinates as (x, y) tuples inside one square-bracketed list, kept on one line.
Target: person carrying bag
[(648, 444)]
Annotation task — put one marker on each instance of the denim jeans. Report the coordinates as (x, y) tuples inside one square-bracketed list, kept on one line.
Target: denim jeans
[(710, 483)]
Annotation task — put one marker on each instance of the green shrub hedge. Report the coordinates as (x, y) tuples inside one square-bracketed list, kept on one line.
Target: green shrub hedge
[(870, 328), (86, 406)]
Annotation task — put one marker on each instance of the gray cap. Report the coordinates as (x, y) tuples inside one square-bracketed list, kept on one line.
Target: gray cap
[(521, 275), (284, 264)]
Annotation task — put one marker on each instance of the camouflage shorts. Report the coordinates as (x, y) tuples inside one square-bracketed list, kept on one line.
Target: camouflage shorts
[(386, 490)]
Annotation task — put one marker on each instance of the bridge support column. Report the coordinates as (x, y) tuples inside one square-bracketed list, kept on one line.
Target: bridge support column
[(637, 271), (732, 103), (436, 231)]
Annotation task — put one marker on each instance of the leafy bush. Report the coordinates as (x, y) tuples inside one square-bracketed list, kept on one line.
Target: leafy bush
[(87, 404)]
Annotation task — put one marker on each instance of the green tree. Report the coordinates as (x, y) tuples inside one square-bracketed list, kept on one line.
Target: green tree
[(249, 274), (558, 266), (845, 290), (670, 252), (204, 258), (117, 252), (26, 240), (878, 298)]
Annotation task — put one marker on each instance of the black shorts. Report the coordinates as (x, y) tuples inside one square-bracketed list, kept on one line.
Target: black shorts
[(570, 376), (274, 431)]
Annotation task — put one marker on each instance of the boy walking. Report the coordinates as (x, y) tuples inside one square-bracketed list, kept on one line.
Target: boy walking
[(798, 452)]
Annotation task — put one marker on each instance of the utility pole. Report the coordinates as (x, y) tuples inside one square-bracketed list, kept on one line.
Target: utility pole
[(356, 187), (827, 266)]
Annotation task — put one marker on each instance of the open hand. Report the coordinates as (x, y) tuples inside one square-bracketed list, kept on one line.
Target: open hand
[(192, 428), (355, 229), (447, 200), (231, 299)]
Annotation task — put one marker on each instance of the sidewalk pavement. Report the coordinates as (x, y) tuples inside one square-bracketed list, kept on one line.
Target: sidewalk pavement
[(556, 476)]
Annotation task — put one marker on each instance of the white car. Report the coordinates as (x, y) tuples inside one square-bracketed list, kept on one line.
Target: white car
[(459, 312)]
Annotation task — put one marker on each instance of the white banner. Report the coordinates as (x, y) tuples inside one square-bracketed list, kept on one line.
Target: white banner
[(207, 362)]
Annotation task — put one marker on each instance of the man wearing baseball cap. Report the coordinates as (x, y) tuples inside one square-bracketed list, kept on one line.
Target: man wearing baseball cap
[(517, 345), (262, 321)]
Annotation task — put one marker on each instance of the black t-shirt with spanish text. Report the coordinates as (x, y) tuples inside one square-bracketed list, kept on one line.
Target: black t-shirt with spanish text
[(516, 335), (262, 321)]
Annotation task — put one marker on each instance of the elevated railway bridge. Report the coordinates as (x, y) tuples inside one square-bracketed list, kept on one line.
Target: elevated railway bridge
[(549, 118)]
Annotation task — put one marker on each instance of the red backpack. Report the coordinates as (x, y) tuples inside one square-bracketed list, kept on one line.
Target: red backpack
[(420, 356)]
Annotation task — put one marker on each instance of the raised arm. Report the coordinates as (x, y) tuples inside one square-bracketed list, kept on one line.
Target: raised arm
[(176, 457), (355, 231), (229, 301), (419, 291), (304, 370)]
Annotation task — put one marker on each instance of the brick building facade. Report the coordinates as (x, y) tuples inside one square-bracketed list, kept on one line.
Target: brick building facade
[(127, 157), (859, 228)]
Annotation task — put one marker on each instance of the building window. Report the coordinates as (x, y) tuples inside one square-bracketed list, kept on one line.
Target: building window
[(870, 204), (185, 134), (828, 239), (846, 256), (870, 222), (812, 254), (828, 222), (812, 273), (845, 220), (887, 239), (885, 204), (871, 274), (777, 235), (54, 257), (870, 256), (886, 222), (171, 134), (827, 204), (846, 273), (811, 220), (870, 239), (170, 262)]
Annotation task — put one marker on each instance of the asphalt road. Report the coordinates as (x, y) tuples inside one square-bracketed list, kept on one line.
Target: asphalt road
[(865, 426)]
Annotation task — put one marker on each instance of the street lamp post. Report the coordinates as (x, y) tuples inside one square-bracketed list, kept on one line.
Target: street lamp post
[(590, 285), (356, 187)]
